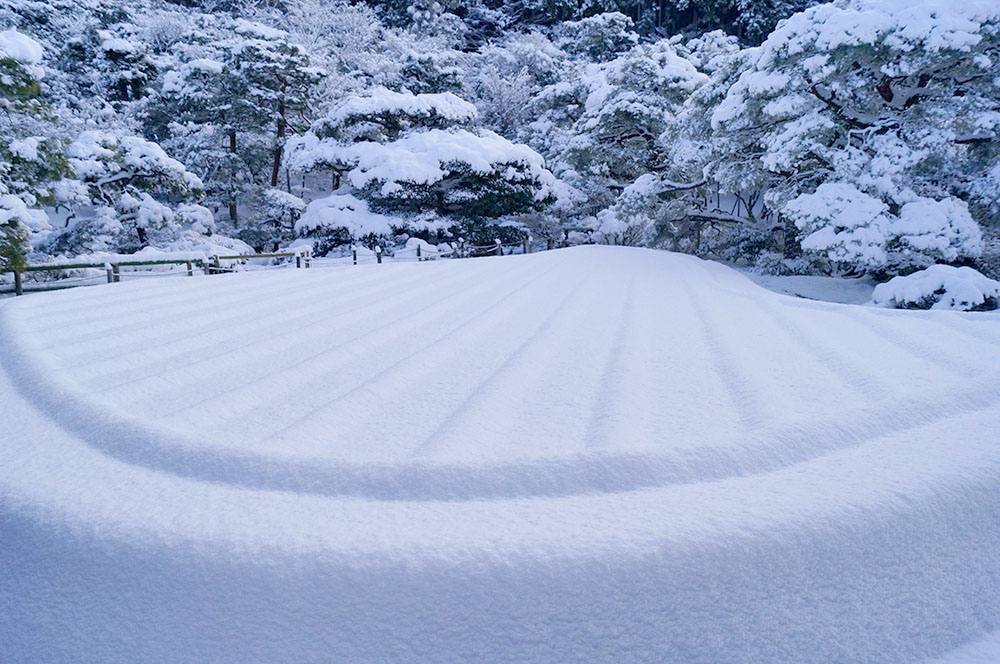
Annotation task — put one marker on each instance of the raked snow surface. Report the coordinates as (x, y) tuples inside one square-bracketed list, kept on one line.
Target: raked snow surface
[(592, 454)]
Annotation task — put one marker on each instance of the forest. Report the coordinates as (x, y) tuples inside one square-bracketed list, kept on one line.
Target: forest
[(859, 137)]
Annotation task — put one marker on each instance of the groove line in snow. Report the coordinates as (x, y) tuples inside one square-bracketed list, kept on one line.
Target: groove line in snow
[(611, 378), (157, 328), (288, 328), (772, 446), (725, 365), (448, 334), (426, 446), (298, 371)]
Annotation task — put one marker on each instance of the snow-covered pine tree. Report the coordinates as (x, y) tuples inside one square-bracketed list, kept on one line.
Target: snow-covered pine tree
[(883, 107), (229, 107), (420, 159)]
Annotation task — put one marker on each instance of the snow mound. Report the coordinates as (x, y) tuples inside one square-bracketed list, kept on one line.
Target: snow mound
[(591, 454), (939, 287)]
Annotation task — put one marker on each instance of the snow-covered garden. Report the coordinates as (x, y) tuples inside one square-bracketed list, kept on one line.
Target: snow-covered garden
[(499, 330), (469, 461)]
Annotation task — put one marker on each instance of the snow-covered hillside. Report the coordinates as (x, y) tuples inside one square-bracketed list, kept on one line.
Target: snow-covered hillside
[(593, 454)]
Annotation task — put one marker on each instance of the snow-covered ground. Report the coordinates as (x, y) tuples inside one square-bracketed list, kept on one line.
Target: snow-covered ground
[(592, 454), (813, 287)]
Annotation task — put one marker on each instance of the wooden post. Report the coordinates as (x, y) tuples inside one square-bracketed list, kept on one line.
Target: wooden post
[(206, 265), (298, 260), (190, 269), (354, 253), (525, 243), (418, 254), (116, 272), (308, 258), (215, 259), (18, 286), (378, 254), (111, 276), (499, 247)]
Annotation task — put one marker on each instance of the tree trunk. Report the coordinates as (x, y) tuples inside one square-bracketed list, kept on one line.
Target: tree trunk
[(232, 203), (279, 144), (143, 240)]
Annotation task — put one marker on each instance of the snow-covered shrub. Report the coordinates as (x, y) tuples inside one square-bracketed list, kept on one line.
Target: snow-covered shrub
[(940, 287), (341, 219), (851, 227), (383, 115)]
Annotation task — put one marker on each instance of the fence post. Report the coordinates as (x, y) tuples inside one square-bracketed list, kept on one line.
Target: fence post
[(378, 254), (111, 276), (525, 242), (308, 257), (215, 259), (418, 254), (116, 272), (298, 260), (18, 287), (499, 247), (354, 253), (205, 264), (190, 269)]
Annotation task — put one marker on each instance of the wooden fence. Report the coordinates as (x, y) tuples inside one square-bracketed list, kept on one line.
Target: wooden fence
[(113, 272)]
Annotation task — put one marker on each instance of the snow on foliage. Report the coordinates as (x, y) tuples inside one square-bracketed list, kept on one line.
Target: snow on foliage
[(22, 49), (426, 158), (599, 37), (103, 158), (343, 211), (852, 227), (939, 287), (895, 98), (402, 110)]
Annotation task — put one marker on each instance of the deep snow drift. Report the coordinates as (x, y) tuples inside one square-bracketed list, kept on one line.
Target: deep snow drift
[(591, 454)]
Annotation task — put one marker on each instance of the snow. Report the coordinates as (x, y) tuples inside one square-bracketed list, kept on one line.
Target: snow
[(378, 101), (425, 157), (590, 454), (844, 221), (985, 651), (843, 290), (938, 287), (21, 48), (345, 211), (25, 148), (850, 225)]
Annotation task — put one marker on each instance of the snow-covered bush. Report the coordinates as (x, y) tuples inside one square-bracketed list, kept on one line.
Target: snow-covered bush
[(117, 197), (939, 287), (854, 228), (341, 219)]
